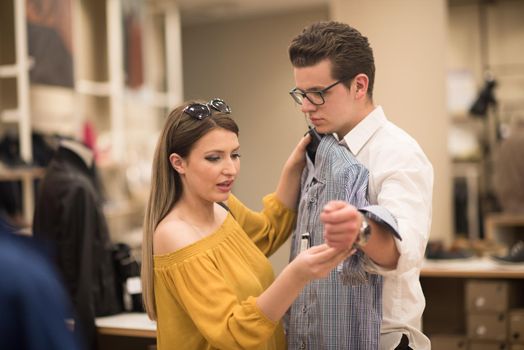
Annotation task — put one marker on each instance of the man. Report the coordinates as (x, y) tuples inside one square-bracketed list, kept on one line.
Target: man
[(334, 75), (34, 304)]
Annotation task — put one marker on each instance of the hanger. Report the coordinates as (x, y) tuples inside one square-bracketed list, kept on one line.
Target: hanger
[(79, 149)]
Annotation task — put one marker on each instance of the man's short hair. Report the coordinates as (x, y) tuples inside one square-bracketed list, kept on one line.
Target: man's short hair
[(347, 49)]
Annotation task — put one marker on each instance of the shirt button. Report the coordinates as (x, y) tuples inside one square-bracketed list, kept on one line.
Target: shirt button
[(302, 346), (304, 309), (312, 200)]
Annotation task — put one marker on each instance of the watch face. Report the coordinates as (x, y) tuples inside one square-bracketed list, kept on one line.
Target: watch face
[(365, 230)]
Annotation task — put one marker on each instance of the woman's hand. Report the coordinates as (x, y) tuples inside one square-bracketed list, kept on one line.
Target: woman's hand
[(288, 187), (318, 261), (314, 263), (297, 158)]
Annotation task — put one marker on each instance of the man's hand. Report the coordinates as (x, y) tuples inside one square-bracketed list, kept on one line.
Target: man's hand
[(342, 223)]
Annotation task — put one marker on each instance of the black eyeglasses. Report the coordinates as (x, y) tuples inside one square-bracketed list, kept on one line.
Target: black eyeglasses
[(201, 111), (316, 97)]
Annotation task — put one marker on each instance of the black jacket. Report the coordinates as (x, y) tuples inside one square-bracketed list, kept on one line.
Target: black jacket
[(68, 212)]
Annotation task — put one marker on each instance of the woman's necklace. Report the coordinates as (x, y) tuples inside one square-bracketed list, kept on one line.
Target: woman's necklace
[(198, 230)]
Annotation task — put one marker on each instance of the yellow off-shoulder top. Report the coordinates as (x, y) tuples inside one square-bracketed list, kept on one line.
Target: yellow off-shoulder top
[(206, 292)]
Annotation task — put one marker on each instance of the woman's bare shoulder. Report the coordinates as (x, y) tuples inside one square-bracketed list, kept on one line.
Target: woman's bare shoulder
[(171, 235)]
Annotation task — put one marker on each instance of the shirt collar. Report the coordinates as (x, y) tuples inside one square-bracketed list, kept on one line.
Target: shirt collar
[(362, 132)]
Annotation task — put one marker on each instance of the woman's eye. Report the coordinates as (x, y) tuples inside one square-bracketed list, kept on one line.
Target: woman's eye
[(212, 158), (235, 156)]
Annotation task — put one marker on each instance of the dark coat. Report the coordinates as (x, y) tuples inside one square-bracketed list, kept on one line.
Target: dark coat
[(68, 212)]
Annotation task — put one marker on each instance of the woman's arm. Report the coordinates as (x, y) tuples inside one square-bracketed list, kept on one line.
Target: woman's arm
[(271, 227)]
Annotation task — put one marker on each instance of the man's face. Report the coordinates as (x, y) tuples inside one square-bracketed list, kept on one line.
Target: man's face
[(337, 114)]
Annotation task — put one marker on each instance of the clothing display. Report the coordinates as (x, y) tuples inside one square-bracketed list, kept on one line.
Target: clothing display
[(344, 310), (10, 158), (400, 180), (68, 213), (53, 61), (206, 292)]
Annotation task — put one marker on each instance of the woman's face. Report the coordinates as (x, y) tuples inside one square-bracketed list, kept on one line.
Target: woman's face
[(210, 169)]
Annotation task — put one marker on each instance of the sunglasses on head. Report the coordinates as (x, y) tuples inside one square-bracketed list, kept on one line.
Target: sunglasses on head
[(200, 111)]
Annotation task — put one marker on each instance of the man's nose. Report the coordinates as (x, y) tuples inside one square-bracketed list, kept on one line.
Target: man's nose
[(307, 106)]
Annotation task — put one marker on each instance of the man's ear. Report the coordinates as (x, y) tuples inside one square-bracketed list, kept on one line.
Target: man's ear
[(361, 84), (177, 163)]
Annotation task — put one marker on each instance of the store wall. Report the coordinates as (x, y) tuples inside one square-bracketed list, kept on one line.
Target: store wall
[(500, 50), (409, 39), (245, 62), (249, 68)]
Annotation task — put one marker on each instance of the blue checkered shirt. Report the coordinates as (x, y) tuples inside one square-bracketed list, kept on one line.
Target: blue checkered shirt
[(344, 310)]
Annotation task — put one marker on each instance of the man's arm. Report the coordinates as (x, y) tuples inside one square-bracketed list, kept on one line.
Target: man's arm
[(342, 223)]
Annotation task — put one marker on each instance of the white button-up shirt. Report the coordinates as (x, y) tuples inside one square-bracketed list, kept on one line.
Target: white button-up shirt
[(400, 180)]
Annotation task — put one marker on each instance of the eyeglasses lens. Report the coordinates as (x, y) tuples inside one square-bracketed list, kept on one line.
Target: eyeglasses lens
[(314, 97), (201, 111), (220, 105), (198, 111)]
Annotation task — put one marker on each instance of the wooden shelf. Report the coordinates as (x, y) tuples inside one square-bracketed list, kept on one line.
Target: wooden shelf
[(16, 174), (10, 116), (471, 268), (8, 71), (94, 88), (12, 70), (505, 228)]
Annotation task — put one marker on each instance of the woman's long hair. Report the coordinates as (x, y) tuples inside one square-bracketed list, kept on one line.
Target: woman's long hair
[(180, 133)]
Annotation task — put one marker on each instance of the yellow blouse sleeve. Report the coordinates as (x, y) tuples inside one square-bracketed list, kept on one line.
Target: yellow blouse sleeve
[(204, 295), (268, 229)]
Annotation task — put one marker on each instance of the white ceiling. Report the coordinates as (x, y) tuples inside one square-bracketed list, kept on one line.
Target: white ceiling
[(198, 11)]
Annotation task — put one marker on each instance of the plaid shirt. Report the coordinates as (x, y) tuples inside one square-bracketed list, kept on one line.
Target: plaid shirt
[(344, 310)]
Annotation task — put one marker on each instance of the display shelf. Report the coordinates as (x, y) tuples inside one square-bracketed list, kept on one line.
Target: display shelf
[(8, 71), (446, 318), (101, 55), (17, 174), (12, 70), (506, 228), (93, 88), (15, 65), (10, 116), (471, 268)]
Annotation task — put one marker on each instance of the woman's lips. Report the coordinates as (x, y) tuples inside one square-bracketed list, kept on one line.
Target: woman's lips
[(225, 186)]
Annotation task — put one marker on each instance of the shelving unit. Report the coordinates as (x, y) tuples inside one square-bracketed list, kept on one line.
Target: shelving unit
[(130, 117), (449, 319), (99, 65), (452, 288), (507, 228), (14, 103), (99, 91)]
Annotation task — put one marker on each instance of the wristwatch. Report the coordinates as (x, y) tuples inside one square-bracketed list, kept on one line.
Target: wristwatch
[(364, 233)]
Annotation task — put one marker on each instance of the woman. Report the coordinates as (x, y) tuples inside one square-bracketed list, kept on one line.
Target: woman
[(205, 275)]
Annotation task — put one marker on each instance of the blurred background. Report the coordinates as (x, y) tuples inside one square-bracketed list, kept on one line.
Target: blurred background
[(107, 72)]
